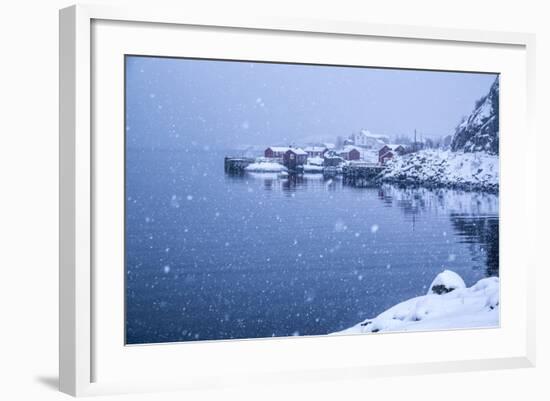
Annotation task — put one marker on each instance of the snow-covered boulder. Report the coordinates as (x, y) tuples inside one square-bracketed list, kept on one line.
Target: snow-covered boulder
[(445, 282), (462, 307)]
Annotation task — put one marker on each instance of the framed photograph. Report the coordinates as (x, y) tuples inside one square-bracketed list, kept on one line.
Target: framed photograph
[(270, 200)]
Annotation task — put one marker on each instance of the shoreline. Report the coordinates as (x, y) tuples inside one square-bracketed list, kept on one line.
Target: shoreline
[(431, 168), (493, 189), (468, 187), (447, 305)]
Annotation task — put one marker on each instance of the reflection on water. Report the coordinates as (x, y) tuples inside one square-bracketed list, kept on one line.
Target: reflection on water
[(481, 235), (474, 217), (216, 256), (414, 201)]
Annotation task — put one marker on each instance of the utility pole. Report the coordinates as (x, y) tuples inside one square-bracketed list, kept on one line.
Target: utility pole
[(414, 146)]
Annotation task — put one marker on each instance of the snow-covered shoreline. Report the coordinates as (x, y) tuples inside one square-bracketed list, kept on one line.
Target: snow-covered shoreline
[(449, 304), (429, 168), (438, 168)]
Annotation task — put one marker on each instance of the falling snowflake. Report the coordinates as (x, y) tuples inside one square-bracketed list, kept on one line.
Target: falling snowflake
[(340, 226), (174, 202)]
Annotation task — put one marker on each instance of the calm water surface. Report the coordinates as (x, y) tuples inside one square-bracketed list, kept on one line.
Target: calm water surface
[(211, 256)]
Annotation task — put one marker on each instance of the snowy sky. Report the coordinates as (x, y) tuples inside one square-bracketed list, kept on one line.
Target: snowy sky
[(173, 102)]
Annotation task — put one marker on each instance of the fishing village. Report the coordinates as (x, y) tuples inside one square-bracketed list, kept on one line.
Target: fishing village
[(361, 156)]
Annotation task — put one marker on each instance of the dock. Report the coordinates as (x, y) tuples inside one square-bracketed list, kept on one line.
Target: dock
[(361, 174), (237, 164)]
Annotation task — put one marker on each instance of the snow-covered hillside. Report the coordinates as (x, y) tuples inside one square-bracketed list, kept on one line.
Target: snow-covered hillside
[(447, 305), (436, 167), (480, 131)]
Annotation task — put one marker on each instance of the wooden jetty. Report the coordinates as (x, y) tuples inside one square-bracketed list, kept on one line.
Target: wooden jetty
[(361, 174), (237, 164)]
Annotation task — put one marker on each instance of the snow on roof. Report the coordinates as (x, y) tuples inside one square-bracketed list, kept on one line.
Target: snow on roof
[(314, 148), (329, 145), (394, 146), (297, 151), (366, 132), (279, 148)]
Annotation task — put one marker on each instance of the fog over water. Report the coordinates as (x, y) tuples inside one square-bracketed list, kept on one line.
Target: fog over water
[(172, 102)]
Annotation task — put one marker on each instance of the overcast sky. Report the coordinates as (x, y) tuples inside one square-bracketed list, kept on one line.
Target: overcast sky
[(173, 102)]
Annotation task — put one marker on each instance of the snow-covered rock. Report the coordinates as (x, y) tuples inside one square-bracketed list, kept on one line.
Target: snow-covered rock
[(436, 167), (266, 167), (473, 307), (480, 131), (445, 282)]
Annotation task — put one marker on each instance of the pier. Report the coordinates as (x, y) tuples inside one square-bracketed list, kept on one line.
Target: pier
[(361, 174), (237, 164)]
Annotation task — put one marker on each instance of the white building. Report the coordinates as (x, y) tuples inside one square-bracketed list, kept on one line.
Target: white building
[(368, 140)]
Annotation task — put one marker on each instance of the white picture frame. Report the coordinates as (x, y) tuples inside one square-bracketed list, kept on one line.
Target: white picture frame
[(84, 328)]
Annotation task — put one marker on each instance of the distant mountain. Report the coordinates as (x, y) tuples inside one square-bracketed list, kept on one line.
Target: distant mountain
[(480, 131)]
